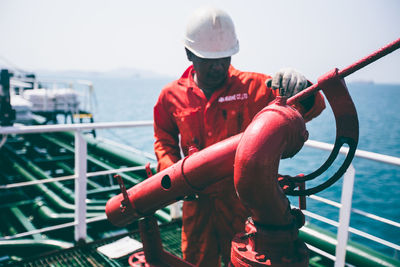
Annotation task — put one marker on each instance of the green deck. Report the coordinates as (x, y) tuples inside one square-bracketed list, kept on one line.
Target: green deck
[(87, 255)]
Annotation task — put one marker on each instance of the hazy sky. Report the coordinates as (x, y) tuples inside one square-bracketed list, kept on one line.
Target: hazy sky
[(312, 36)]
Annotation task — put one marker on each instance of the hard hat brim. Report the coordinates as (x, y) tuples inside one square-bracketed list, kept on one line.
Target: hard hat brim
[(213, 55)]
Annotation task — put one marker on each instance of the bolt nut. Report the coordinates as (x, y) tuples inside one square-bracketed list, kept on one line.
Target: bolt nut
[(260, 257), (122, 207)]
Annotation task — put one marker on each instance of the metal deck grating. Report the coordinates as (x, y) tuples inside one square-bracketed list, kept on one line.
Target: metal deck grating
[(88, 255)]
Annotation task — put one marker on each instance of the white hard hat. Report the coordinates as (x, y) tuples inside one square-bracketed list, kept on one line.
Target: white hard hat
[(210, 33)]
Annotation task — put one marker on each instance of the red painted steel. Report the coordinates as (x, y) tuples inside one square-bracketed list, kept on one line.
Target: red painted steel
[(259, 246), (278, 131), (271, 237), (187, 176), (153, 254), (389, 48), (347, 132)]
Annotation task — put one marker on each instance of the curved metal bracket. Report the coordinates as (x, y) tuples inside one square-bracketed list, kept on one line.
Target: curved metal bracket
[(347, 132)]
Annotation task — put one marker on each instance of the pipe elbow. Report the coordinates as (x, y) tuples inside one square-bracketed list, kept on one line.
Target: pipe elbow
[(278, 131)]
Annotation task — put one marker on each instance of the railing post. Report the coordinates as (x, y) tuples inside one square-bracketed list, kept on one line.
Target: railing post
[(80, 186), (344, 216)]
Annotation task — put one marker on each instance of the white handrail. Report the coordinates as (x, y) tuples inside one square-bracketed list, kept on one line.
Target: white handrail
[(352, 230), (71, 177), (363, 213), (23, 129), (53, 227), (359, 153)]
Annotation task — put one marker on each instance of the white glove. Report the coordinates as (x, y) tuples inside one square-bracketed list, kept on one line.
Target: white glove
[(289, 82)]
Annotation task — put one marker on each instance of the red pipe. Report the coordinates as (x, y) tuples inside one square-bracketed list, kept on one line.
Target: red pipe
[(271, 236), (189, 175), (193, 173), (389, 48), (278, 131)]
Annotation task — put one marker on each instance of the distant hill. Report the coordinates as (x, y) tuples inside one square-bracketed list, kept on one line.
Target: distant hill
[(116, 73), (359, 81), (79, 74)]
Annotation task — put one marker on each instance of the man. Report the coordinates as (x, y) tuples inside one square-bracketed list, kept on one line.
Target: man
[(209, 103)]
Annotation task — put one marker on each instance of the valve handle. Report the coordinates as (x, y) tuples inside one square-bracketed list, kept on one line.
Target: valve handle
[(125, 201), (122, 186)]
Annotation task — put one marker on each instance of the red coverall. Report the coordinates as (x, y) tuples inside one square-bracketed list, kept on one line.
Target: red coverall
[(211, 220)]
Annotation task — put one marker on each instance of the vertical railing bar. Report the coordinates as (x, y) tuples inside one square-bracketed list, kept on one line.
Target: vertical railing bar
[(80, 186), (344, 216)]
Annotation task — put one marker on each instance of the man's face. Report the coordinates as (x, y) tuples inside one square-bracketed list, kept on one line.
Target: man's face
[(210, 72)]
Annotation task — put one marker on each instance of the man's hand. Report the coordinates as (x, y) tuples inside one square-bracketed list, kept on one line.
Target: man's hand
[(288, 81)]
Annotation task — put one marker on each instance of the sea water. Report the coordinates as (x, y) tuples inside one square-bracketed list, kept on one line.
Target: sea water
[(377, 185)]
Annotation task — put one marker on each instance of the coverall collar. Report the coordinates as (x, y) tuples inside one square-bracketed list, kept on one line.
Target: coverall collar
[(187, 81)]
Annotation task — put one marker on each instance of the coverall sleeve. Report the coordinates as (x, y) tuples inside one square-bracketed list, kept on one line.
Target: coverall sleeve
[(311, 107), (166, 145)]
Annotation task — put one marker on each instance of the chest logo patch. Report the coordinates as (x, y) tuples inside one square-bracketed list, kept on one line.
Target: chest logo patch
[(234, 97)]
